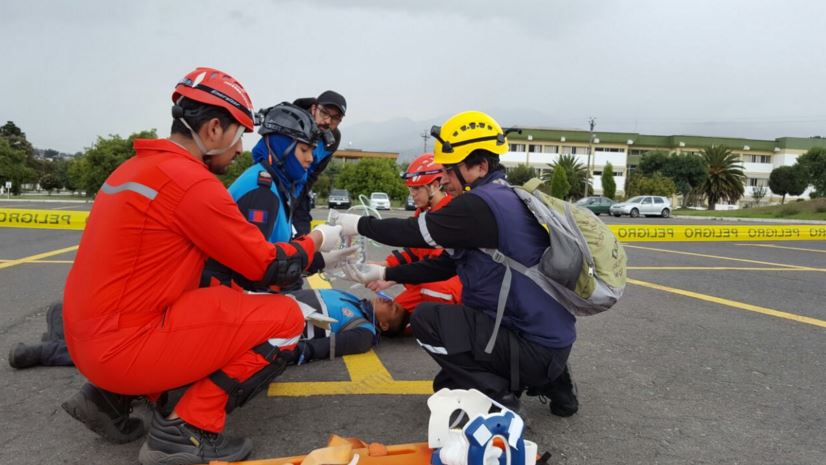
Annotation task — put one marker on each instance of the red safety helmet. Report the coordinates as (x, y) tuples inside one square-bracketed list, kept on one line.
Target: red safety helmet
[(213, 87), (423, 171)]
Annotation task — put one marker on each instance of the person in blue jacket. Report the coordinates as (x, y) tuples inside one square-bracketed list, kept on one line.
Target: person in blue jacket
[(328, 109), (268, 192)]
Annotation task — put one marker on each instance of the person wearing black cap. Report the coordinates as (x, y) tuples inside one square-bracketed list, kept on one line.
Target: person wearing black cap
[(328, 110)]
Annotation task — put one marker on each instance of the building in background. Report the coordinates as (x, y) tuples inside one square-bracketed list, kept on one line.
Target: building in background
[(356, 154), (540, 148)]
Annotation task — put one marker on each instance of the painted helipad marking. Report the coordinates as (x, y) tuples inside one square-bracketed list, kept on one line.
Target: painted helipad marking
[(772, 246), (368, 375), (719, 257), (32, 258), (732, 303)]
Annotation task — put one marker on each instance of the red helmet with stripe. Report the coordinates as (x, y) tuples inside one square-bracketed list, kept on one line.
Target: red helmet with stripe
[(213, 87), (423, 171)]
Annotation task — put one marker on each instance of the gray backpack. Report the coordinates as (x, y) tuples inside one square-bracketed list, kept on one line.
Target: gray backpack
[(583, 268)]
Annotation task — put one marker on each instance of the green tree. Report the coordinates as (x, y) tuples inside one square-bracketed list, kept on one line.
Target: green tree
[(49, 182), (13, 166), (17, 140), (575, 173), (609, 186), (791, 180), (656, 184), (521, 174), (98, 161), (237, 167), (724, 175), (371, 175), (813, 163), (61, 170), (560, 187), (686, 170), (652, 162)]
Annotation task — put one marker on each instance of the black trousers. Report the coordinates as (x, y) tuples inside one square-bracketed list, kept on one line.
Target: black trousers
[(456, 336)]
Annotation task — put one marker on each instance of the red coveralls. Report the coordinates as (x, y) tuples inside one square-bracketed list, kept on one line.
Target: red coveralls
[(447, 292), (136, 321)]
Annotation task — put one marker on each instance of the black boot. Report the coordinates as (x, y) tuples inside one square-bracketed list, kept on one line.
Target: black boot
[(561, 393), (24, 356), (179, 443), (105, 413)]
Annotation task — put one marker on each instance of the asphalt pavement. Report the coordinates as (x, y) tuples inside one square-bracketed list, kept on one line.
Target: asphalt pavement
[(713, 356)]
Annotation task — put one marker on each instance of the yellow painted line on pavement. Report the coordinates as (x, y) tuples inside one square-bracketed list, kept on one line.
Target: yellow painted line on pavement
[(694, 254), (43, 261), (368, 376), (732, 303), (31, 258), (772, 246)]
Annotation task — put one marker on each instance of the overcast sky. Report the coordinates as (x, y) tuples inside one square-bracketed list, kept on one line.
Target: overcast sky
[(73, 70)]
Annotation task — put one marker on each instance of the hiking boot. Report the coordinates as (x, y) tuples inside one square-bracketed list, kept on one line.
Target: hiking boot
[(177, 442), (24, 356), (105, 413), (561, 394)]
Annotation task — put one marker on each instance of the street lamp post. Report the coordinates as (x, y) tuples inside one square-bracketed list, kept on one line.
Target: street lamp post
[(591, 122)]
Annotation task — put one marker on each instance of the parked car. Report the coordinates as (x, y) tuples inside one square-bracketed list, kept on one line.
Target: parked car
[(648, 205), (339, 198), (598, 205), (409, 205), (380, 201)]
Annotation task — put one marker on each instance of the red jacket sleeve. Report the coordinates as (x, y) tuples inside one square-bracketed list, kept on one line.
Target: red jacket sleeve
[(208, 216)]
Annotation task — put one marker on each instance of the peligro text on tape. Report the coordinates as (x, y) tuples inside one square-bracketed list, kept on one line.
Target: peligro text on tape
[(43, 219), (692, 233)]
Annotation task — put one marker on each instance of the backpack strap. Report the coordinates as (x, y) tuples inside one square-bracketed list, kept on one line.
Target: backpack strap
[(510, 264)]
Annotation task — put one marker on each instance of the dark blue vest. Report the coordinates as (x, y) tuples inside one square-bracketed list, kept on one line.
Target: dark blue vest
[(529, 311)]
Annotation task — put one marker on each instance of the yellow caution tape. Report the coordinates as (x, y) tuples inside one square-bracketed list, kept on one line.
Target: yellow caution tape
[(42, 219), (76, 220), (718, 233)]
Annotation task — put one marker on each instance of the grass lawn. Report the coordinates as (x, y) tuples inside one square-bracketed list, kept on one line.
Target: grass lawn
[(807, 210)]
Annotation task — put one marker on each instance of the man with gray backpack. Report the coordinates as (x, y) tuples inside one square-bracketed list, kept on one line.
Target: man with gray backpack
[(527, 264)]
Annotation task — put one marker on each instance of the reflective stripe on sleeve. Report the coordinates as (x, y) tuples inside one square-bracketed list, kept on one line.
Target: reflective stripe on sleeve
[(425, 233), (138, 188), (437, 294)]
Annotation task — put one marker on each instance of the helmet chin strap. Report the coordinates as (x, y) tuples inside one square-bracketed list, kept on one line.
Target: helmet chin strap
[(200, 144), (197, 138)]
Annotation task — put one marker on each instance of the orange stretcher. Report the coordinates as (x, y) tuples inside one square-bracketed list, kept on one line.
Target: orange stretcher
[(343, 451)]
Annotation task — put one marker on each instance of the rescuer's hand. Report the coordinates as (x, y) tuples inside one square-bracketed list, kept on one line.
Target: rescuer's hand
[(364, 273), (338, 257), (330, 237)]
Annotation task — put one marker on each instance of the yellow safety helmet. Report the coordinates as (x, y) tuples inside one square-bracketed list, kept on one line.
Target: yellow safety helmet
[(465, 132)]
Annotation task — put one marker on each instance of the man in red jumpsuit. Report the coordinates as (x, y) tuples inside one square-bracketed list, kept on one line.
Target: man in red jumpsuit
[(135, 320)]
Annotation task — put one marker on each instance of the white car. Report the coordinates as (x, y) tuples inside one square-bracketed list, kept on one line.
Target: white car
[(380, 201), (648, 205)]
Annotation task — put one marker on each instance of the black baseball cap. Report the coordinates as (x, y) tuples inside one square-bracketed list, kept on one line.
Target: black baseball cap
[(329, 97)]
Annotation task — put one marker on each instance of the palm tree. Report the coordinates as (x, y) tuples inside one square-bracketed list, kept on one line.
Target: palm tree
[(575, 172), (725, 175)]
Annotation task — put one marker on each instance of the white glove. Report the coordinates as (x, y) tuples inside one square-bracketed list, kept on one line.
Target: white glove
[(349, 223), (331, 237), (338, 257), (364, 273)]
